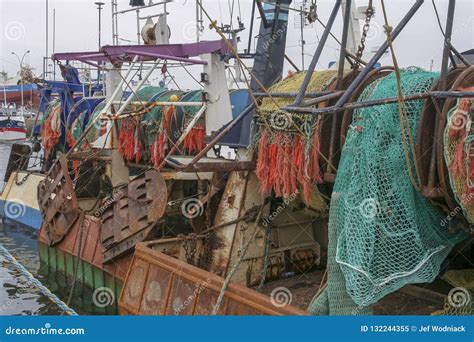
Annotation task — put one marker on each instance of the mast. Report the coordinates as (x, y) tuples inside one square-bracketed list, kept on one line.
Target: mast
[(45, 61), (269, 59)]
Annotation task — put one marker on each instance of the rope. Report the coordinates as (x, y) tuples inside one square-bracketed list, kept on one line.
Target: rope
[(79, 250), (268, 239), (216, 307), (402, 110), (31, 279)]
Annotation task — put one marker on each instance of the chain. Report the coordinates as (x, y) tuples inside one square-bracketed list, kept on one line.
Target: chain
[(208, 207), (208, 238), (23, 180), (313, 12), (369, 13), (189, 247)]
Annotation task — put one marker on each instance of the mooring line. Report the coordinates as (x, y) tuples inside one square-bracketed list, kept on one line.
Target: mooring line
[(31, 279)]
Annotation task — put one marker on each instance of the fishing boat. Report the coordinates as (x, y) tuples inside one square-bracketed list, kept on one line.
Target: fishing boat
[(12, 123), (341, 185), (12, 93)]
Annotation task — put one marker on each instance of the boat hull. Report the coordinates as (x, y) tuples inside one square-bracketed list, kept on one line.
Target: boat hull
[(18, 201), (87, 265), (12, 128), (12, 94)]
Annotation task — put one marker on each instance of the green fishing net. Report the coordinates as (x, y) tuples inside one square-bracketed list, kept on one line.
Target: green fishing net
[(146, 94), (382, 233)]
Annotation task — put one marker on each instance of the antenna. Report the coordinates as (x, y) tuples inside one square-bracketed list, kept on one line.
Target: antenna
[(45, 61), (301, 22), (54, 41), (99, 7)]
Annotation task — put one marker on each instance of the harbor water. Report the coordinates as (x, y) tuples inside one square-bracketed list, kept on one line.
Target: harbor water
[(17, 295)]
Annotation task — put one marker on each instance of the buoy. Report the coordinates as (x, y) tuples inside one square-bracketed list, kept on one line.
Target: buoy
[(174, 98)]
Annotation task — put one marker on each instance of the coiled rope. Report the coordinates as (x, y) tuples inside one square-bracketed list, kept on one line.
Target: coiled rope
[(31, 279)]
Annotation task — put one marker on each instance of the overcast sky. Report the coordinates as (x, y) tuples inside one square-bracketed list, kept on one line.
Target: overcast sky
[(22, 24)]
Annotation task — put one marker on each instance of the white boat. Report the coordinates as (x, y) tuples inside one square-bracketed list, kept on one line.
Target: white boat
[(12, 123)]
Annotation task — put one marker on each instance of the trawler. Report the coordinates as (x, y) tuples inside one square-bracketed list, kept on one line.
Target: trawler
[(349, 185)]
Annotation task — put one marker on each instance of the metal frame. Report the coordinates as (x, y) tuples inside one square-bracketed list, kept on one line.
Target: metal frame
[(447, 40), (116, 12), (317, 54), (122, 54), (182, 52), (341, 104)]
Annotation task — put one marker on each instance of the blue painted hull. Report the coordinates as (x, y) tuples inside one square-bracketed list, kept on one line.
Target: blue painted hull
[(25, 215)]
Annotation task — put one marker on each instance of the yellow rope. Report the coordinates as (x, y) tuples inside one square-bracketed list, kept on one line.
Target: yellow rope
[(402, 108)]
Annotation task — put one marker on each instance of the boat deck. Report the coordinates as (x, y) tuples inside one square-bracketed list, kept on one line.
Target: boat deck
[(406, 301)]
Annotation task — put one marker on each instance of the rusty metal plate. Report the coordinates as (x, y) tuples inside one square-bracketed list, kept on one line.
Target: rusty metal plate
[(156, 291), (182, 289), (132, 213), (58, 202)]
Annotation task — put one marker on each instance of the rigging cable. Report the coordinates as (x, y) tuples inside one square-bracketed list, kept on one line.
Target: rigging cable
[(32, 280)]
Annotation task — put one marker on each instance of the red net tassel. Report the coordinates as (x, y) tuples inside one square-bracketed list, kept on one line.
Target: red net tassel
[(273, 171), (153, 152), (70, 138), (314, 172), (280, 164), (75, 166), (158, 149), (457, 163), (289, 174), (298, 159), (194, 141), (138, 146), (299, 165), (167, 118), (471, 170), (263, 162), (49, 136), (130, 142), (130, 145), (121, 138), (127, 139)]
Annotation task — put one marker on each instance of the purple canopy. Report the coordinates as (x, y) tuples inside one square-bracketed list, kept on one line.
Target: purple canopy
[(119, 54)]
